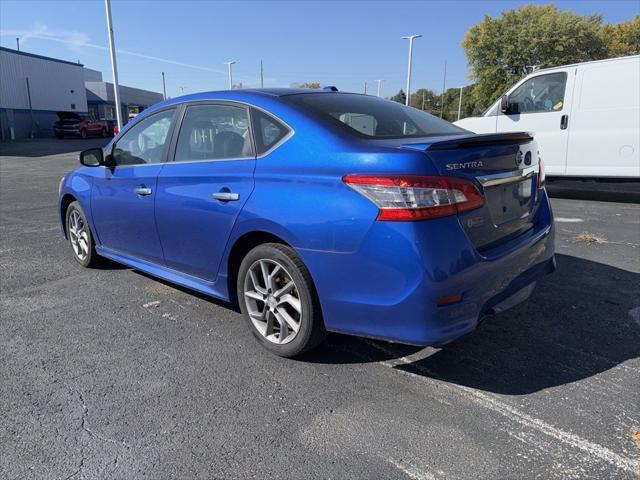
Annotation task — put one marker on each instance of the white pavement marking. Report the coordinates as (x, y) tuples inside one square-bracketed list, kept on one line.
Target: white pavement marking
[(151, 304), (568, 220), (410, 471), (512, 413)]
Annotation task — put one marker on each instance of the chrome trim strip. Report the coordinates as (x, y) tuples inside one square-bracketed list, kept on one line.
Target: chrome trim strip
[(506, 177)]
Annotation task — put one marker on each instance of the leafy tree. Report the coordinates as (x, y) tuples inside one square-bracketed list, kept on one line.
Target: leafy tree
[(501, 50), (622, 39), (399, 97), (314, 85)]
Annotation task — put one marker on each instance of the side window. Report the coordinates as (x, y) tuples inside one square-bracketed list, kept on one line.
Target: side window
[(544, 93), (268, 130), (214, 132), (144, 142)]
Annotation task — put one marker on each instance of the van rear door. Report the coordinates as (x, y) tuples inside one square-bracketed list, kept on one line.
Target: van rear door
[(541, 105)]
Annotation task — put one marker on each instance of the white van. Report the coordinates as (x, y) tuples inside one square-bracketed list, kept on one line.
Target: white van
[(585, 117)]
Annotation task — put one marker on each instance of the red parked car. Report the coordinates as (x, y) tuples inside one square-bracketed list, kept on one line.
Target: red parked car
[(74, 124)]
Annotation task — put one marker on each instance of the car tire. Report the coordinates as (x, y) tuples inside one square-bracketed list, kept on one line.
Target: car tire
[(83, 133), (80, 237), (103, 132), (268, 311)]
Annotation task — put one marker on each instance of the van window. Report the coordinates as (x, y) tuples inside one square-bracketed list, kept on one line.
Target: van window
[(543, 93)]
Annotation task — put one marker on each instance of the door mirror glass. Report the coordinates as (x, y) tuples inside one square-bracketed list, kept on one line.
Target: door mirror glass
[(92, 157)]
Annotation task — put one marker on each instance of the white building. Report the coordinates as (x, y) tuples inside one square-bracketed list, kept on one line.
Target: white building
[(33, 88)]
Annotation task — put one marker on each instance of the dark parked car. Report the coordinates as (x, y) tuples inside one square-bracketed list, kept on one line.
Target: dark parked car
[(74, 124)]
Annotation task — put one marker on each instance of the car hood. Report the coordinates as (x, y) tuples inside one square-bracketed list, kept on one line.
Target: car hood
[(69, 116)]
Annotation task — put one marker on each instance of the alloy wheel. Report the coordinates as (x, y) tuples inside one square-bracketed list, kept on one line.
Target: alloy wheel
[(78, 235), (273, 301)]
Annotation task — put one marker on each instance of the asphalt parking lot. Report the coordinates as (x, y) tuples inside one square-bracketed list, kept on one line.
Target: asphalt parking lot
[(112, 374)]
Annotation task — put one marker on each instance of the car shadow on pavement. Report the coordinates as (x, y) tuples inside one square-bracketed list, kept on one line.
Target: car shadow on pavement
[(613, 191), (41, 147), (576, 324)]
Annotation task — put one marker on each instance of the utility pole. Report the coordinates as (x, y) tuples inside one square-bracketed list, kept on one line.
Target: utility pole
[(460, 104), (228, 64), (18, 43), (261, 75), (365, 87), (114, 68), (164, 87), (411, 38), (444, 83), (423, 100), (379, 86)]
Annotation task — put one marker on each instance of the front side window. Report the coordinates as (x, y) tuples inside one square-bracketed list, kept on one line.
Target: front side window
[(144, 142), (214, 132), (372, 117), (544, 93), (268, 130)]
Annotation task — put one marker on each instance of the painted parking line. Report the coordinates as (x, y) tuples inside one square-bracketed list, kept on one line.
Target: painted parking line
[(512, 413)]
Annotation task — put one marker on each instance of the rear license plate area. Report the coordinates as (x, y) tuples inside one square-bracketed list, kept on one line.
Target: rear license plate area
[(509, 202)]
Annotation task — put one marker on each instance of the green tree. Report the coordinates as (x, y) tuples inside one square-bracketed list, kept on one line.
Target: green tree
[(501, 50), (622, 39), (399, 97)]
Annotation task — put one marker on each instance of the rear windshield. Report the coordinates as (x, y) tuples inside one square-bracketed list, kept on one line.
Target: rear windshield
[(372, 117)]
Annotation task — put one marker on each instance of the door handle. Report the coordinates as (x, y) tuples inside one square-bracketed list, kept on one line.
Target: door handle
[(142, 191), (226, 196), (564, 122)]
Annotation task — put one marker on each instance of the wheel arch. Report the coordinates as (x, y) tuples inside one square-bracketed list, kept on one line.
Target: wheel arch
[(243, 245), (66, 200)]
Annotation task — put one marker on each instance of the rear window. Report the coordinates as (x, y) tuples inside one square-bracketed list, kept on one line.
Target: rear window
[(372, 117)]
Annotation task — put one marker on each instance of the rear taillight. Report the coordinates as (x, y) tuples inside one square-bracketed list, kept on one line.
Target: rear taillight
[(416, 197), (541, 174)]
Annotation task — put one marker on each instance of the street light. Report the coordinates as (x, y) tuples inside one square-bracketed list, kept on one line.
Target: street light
[(379, 87), (114, 68), (228, 64), (411, 38), (164, 88)]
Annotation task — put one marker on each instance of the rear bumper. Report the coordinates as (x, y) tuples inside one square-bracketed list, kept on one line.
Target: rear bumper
[(388, 289)]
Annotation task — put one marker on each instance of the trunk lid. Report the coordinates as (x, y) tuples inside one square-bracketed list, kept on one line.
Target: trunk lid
[(505, 169)]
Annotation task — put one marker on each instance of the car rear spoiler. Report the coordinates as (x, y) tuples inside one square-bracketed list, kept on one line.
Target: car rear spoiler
[(472, 140)]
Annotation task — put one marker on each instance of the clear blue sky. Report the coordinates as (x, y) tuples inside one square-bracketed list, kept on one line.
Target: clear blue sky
[(335, 43)]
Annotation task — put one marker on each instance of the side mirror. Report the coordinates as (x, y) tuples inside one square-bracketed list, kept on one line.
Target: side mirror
[(504, 104), (92, 157)]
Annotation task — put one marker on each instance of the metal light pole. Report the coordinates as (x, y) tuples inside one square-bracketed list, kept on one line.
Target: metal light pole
[(18, 43), (114, 68), (411, 38), (444, 84), (460, 104), (379, 86), (228, 64), (365, 87), (164, 87), (261, 75)]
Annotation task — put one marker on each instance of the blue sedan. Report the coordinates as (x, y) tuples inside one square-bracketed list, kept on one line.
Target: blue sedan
[(318, 211)]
